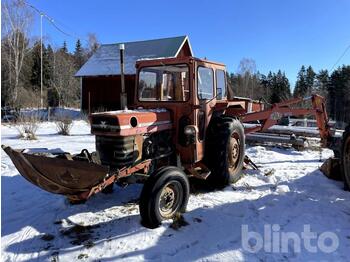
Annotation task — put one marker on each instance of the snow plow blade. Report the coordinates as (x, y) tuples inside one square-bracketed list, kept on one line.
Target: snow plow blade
[(56, 174)]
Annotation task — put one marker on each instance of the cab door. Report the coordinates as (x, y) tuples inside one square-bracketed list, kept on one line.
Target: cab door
[(206, 101)]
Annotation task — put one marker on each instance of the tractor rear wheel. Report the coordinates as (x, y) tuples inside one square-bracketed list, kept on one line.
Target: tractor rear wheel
[(225, 151), (164, 194), (346, 157)]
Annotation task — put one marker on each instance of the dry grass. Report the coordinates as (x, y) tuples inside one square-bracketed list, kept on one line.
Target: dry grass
[(85, 116), (64, 124), (27, 125)]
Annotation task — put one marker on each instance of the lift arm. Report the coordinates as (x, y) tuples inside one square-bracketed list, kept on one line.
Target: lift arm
[(270, 117)]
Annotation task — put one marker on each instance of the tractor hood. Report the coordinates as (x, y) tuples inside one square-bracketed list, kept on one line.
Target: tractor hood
[(130, 122)]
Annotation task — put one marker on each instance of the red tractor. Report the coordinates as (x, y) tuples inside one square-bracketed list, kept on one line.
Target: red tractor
[(180, 125)]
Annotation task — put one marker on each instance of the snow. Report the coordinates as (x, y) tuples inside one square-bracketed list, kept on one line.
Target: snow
[(282, 189), (287, 191)]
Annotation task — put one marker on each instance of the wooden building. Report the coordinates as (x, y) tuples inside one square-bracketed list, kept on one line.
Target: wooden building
[(100, 75)]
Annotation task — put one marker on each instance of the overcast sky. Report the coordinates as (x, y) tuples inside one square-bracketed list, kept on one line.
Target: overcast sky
[(276, 34)]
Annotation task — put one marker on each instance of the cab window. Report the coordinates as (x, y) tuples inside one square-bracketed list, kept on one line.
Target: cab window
[(205, 83), (220, 84), (164, 83)]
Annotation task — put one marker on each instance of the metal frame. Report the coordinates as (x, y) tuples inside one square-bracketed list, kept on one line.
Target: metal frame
[(271, 116), (124, 172)]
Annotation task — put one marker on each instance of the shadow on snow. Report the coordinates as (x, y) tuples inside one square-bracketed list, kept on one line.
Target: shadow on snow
[(211, 230)]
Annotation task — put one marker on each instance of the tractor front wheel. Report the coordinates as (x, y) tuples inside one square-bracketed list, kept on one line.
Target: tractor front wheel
[(346, 157), (163, 195)]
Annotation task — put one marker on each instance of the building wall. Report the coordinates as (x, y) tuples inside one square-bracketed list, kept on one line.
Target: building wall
[(103, 92), (185, 50)]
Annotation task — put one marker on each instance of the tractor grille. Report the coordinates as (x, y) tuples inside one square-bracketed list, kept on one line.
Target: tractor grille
[(117, 152), (104, 124)]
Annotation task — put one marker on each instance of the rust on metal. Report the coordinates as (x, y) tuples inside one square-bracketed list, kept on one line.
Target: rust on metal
[(124, 172), (55, 175), (271, 116), (76, 179), (128, 123)]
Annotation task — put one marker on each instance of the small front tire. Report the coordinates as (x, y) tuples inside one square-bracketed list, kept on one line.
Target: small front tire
[(164, 195)]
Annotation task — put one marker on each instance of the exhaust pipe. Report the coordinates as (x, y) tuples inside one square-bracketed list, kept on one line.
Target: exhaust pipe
[(123, 97)]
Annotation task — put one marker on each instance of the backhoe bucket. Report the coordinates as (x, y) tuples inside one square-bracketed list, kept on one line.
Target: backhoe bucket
[(57, 175)]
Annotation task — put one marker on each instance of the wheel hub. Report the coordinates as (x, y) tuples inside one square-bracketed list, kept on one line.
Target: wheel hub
[(168, 200), (233, 151)]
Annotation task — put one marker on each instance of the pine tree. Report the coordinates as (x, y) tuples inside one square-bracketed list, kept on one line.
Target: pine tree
[(35, 79), (78, 55), (321, 83), (36, 66), (48, 66), (339, 94), (265, 86), (280, 87), (64, 48), (310, 80), (300, 89), (285, 90)]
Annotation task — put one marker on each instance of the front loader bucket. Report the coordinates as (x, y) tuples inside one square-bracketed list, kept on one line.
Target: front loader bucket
[(57, 175)]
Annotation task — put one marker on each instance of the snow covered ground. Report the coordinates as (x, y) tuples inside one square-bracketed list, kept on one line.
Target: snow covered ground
[(287, 193)]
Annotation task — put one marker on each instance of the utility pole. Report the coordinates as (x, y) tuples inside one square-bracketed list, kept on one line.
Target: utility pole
[(41, 60)]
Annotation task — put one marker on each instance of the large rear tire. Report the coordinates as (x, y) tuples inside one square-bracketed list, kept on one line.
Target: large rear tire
[(163, 195), (225, 151), (346, 158)]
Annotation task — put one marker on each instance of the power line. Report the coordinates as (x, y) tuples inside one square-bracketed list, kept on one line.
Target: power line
[(42, 14), (342, 55), (53, 23)]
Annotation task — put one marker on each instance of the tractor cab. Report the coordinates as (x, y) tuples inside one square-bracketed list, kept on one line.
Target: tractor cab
[(189, 88), (189, 79)]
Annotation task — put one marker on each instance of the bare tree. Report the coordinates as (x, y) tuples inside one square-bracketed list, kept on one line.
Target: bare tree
[(64, 82), (247, 65), (16, 21), (247, 77), (93, 44)]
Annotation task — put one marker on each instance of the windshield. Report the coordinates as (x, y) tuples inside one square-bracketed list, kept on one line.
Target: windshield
[(164, 83)]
